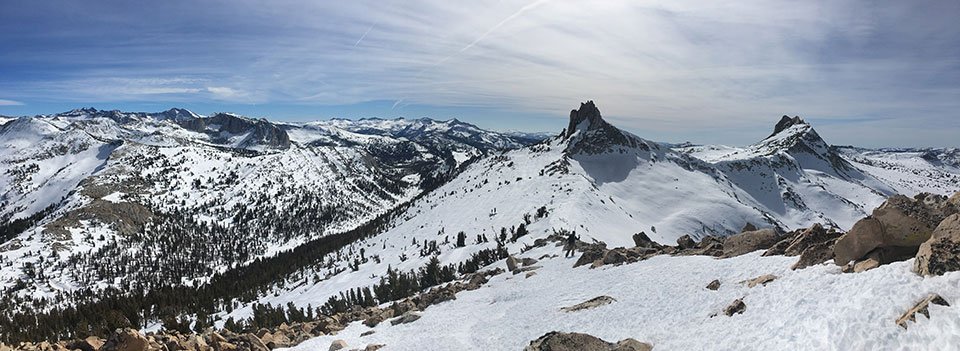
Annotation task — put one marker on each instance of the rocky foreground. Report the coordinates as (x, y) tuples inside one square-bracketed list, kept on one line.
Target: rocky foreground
[(926, 227)]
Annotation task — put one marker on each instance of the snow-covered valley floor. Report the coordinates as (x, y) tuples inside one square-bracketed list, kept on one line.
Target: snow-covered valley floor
[(664, 301)]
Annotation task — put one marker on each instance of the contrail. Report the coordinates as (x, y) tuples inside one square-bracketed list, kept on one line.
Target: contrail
[(365, 33), (519, 12)]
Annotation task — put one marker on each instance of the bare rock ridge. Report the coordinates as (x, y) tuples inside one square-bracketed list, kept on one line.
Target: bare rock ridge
[(786, 122), (595, 134), (223, 125)]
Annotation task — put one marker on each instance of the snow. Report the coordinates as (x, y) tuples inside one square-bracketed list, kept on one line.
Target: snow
[(664, 301)]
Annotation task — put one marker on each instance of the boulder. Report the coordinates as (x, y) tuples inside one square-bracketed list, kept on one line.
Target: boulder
[(809, 237), (737, 307), (749, 227), (954, 200), (906, 222), (527, 261), (866, 235), (337, 345), (714, 285), (373, 321), (406, 318), (762, 280), (747, 242), (128, 339), (253, 342), (642, 240), (594, 302), (530, 274), (779, 248), (870, 262), (476, 281), (373, 347), (922, 308), (589, 255), (560, 341), (511, 263), (815, 254), (91, 343), (941, 253), (685, 242), (615, 256), (368, 332)]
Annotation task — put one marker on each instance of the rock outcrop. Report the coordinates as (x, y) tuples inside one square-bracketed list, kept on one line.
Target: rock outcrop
[(737, 307), (941, 253), (900, 222), (747, 242), (560, 341)]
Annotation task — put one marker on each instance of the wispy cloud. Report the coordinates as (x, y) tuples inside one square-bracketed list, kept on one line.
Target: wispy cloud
[(4, 102), (664, 67)]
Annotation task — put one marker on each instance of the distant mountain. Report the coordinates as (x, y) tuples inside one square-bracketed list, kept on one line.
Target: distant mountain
[(86, 190)]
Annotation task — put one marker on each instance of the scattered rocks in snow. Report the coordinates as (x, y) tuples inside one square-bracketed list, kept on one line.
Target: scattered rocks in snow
[(594, 302), (337, 345), (941, 253), (762, 280), (714, 285), (749, 227), (737, 307), (368, 332), (408, 317), (511, 263), (527, 261), (747, 242), (530, 274), (373, 347), (526, 269), (685, 242), (922, 308), (560, 341)]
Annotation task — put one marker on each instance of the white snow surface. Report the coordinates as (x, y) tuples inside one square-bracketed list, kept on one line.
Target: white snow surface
[(663, 301)]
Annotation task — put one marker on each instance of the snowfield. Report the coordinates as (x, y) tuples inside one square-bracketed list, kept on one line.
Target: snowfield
[(664, 301)]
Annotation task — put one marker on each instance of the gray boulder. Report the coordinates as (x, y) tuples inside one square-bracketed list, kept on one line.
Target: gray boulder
[(560, 341)]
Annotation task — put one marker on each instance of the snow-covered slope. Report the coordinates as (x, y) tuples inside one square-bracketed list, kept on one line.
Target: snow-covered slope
[(663, 301), (606, 185), (909, 171), (86, 190)]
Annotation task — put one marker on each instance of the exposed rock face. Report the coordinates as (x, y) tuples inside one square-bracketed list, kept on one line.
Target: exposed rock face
[(714, 285), (91, 343), (560, 341), (594, 302), (922, 308), (737, 307), (786, 122), (865, 235), (596, 135), (941, 253), (590, 254), (747, 242), (260, 131)]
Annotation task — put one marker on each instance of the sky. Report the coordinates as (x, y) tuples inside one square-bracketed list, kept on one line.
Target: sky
[(867, 73)]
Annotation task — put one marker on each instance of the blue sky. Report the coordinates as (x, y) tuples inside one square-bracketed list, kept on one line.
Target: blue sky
[(870, 73)]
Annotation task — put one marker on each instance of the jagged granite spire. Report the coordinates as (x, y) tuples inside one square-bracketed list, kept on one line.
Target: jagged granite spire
[(787, 122), (595, 134)]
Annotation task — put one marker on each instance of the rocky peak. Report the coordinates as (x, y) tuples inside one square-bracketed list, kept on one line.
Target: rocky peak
[(589, 133), (261, 131), (787, 122), (586, 118)]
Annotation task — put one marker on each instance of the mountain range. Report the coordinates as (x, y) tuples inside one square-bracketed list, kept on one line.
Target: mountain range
[(96, 200)]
